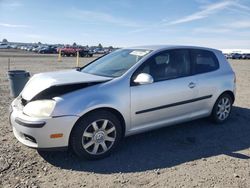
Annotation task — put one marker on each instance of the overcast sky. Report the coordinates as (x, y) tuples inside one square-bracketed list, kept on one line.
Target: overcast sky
[(212, 23)]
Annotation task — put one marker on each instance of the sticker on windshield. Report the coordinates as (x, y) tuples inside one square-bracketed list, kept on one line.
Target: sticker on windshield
[(139, 53)]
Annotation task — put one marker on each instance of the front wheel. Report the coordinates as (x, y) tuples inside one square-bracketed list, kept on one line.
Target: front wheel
[(222, 108), (96, 135)]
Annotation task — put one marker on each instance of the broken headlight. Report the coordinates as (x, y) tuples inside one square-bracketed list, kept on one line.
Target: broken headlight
[(39, 108)]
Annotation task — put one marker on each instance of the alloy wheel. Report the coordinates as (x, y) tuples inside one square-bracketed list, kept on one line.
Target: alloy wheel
[(99, 137), (223, 108)]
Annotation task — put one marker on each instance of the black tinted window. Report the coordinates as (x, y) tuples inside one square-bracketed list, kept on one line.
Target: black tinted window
[(204, 61), (167, 65)]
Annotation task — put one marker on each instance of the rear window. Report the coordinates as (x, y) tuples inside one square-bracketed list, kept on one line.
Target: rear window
[(204, 61)]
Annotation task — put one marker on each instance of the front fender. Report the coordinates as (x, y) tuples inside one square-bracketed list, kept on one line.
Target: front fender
[(105, 95)]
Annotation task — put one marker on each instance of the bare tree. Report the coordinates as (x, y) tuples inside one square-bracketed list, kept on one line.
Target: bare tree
[(100, 46)]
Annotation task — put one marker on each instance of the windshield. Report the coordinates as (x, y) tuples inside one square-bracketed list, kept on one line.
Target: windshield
[(116, 63)]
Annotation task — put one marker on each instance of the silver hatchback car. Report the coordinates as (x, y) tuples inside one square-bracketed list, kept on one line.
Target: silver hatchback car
[(126, 92)]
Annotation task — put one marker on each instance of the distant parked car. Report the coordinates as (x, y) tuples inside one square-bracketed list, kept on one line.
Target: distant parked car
[(126, 92), (72, 51), (100, 52), (236, 56), (47, 50), (227, 56), (68, 51), (85, 53), (36, 49), (245, 56), (30, 48), (4, 46)]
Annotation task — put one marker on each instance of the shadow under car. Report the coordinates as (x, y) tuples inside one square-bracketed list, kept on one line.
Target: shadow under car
[(167, 147)]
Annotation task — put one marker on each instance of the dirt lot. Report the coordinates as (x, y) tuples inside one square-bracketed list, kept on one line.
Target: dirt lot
[(194, 154)]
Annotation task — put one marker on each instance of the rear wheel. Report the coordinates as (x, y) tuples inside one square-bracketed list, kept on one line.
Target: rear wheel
[(96, 135), (222, 108)]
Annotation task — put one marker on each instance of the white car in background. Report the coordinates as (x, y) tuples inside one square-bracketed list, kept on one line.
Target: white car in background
[(4, 46)]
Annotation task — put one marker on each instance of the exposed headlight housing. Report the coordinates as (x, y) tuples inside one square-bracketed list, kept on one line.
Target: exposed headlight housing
[(39, 108)]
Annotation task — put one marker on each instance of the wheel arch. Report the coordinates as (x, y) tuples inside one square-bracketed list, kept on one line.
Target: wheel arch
[(230, 93), (109, 109), (224, 92)]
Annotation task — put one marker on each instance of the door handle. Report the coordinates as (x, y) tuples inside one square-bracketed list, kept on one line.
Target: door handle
[(191, 85)]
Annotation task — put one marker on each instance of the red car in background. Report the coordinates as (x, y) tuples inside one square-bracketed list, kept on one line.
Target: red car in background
[(72, 51)]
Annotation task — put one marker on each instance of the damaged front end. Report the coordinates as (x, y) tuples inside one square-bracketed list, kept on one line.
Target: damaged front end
[(43, 104), (55, 91)]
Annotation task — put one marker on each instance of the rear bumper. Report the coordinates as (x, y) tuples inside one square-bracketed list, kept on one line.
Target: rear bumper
[(36, 133)]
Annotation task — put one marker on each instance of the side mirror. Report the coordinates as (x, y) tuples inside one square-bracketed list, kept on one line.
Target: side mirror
[(144, 78)]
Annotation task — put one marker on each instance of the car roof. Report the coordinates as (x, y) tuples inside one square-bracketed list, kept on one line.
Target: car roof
[(163, 47)]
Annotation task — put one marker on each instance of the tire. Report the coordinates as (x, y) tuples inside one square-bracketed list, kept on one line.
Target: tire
[(223, 105), (93, 132)]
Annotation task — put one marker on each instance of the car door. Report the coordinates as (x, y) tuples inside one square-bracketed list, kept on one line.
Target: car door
[(169, 98), (206, 68)]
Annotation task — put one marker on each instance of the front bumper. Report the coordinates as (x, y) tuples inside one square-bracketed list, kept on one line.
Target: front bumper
[(36, 132)]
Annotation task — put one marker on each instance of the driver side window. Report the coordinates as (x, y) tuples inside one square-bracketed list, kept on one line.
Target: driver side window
[(166, 65)]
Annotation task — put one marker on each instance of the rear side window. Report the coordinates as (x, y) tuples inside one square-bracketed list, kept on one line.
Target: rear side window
[(203, 61), (167, 65)]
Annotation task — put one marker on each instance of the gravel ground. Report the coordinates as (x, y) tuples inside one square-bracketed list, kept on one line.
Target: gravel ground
[(193, 154)]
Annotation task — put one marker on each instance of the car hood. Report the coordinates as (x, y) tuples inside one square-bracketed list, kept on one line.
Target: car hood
[(42, 81)]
